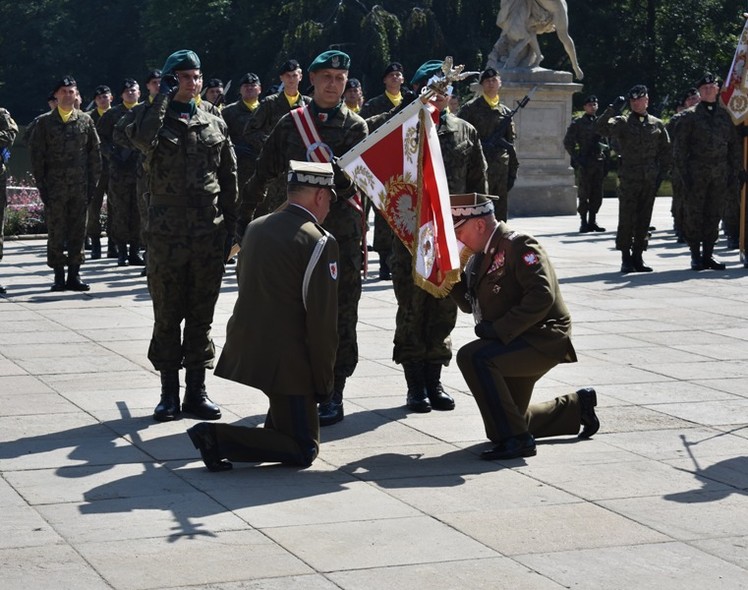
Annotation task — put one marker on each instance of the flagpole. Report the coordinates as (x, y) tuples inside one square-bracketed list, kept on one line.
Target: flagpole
[(742, 204)]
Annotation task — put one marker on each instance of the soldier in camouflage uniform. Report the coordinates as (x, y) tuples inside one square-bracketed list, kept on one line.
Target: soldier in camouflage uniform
[(192, 180), (497, 134), (266, 116), (587, 150), (423, 322), (645, 150), (688, 100), (123, 192), (707, 156), (339, 129), (8, 133), (237, 116), (103, 102), (66, 162)]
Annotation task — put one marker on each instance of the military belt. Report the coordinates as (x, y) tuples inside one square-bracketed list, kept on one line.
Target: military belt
[(182, 201)]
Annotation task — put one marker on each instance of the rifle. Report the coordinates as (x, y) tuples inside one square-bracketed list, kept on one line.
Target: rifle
[(496, 142)]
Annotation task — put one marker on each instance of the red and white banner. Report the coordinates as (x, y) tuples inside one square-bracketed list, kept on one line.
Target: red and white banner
[(735, 90), (400, 168)]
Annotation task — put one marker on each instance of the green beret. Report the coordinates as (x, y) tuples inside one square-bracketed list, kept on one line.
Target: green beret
[(427, 71), (331, 60), (184, 59)]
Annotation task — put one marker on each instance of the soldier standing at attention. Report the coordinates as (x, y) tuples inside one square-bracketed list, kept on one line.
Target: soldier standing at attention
[(282, 335), (353, 95), (339, 130), (523, 329), (707, 156), (8, 133), (269, 112), (214, 92), (237, 116), (103, 102), (497, 134), (646, 153), (122, 162), (192, 180), (66, 162), (586, 148), (424, 323)]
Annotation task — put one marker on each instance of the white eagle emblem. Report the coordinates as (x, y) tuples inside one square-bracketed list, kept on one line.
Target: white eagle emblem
[(334, 270), (530, 258)]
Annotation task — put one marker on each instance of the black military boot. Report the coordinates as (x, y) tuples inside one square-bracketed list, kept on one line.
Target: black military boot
[(590, 422), (74, 282), (121, 254), (708, 259), (95, 248), (627, 265), (584, 227), (168, 408), (440, 399), (111, 249), (196, 400), (415, 376), (384, 268), (638, 262), (332, 412), (696, 261), (59, 284), (135, 259), (592, 225)]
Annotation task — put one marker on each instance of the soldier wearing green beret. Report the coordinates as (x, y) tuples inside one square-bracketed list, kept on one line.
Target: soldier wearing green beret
[(424, 323), (192, 180), (339, 130), (66, 162)]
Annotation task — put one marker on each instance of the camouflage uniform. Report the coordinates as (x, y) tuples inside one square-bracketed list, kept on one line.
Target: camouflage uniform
[(93, 228), (8, 132), (66, 162), (644, 147), (587, 151), (122, 192), (256, 133), (237, 116), (192, 179), (340, 132), (707, 156), (423, 322), (502, 162), (676, 207)]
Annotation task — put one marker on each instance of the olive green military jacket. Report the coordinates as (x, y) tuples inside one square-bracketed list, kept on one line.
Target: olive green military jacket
[(282, 336), (582, 141), (340, 132), (642, 142), (237, 116), (191, 170), (270, 111), (65, 156), (487, 120), (707, 141), (121, 159), (514, 286)]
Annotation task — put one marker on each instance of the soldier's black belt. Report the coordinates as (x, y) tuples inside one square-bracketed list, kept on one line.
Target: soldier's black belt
[(182, 201)]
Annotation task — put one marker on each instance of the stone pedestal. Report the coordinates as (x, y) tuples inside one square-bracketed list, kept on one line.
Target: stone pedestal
[(545, 184)]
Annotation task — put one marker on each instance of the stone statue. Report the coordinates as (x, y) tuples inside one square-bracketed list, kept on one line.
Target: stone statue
[(521, 21)]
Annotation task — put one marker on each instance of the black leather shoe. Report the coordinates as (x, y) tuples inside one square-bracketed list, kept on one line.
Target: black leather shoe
[(203, 436), (196, 400), (696, 263), (330, 413), (167, 409), (74, 282), (594, 227), (418, 401), (512, 448), (2, 290), (440, 399), (713, 264), (587, 403)]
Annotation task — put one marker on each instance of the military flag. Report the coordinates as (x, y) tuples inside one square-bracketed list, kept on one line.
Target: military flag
[(400, 168), (734, 96)]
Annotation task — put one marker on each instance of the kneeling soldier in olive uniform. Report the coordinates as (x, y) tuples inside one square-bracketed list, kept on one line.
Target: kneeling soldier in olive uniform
[(523, 329), (282, 336), (192, 178)]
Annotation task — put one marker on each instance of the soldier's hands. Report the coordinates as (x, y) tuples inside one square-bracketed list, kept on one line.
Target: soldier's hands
[(485, 329), (169, 85), (618, 104)]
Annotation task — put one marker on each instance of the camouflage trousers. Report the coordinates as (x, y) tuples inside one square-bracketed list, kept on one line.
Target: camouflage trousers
[(676, 207), (590, 189), (636, 196), (93, 229), (184, 280), (703, 205), (66, 212), (245, 168), (124, 208), (498, 177), (423, 323), (349, 294)]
